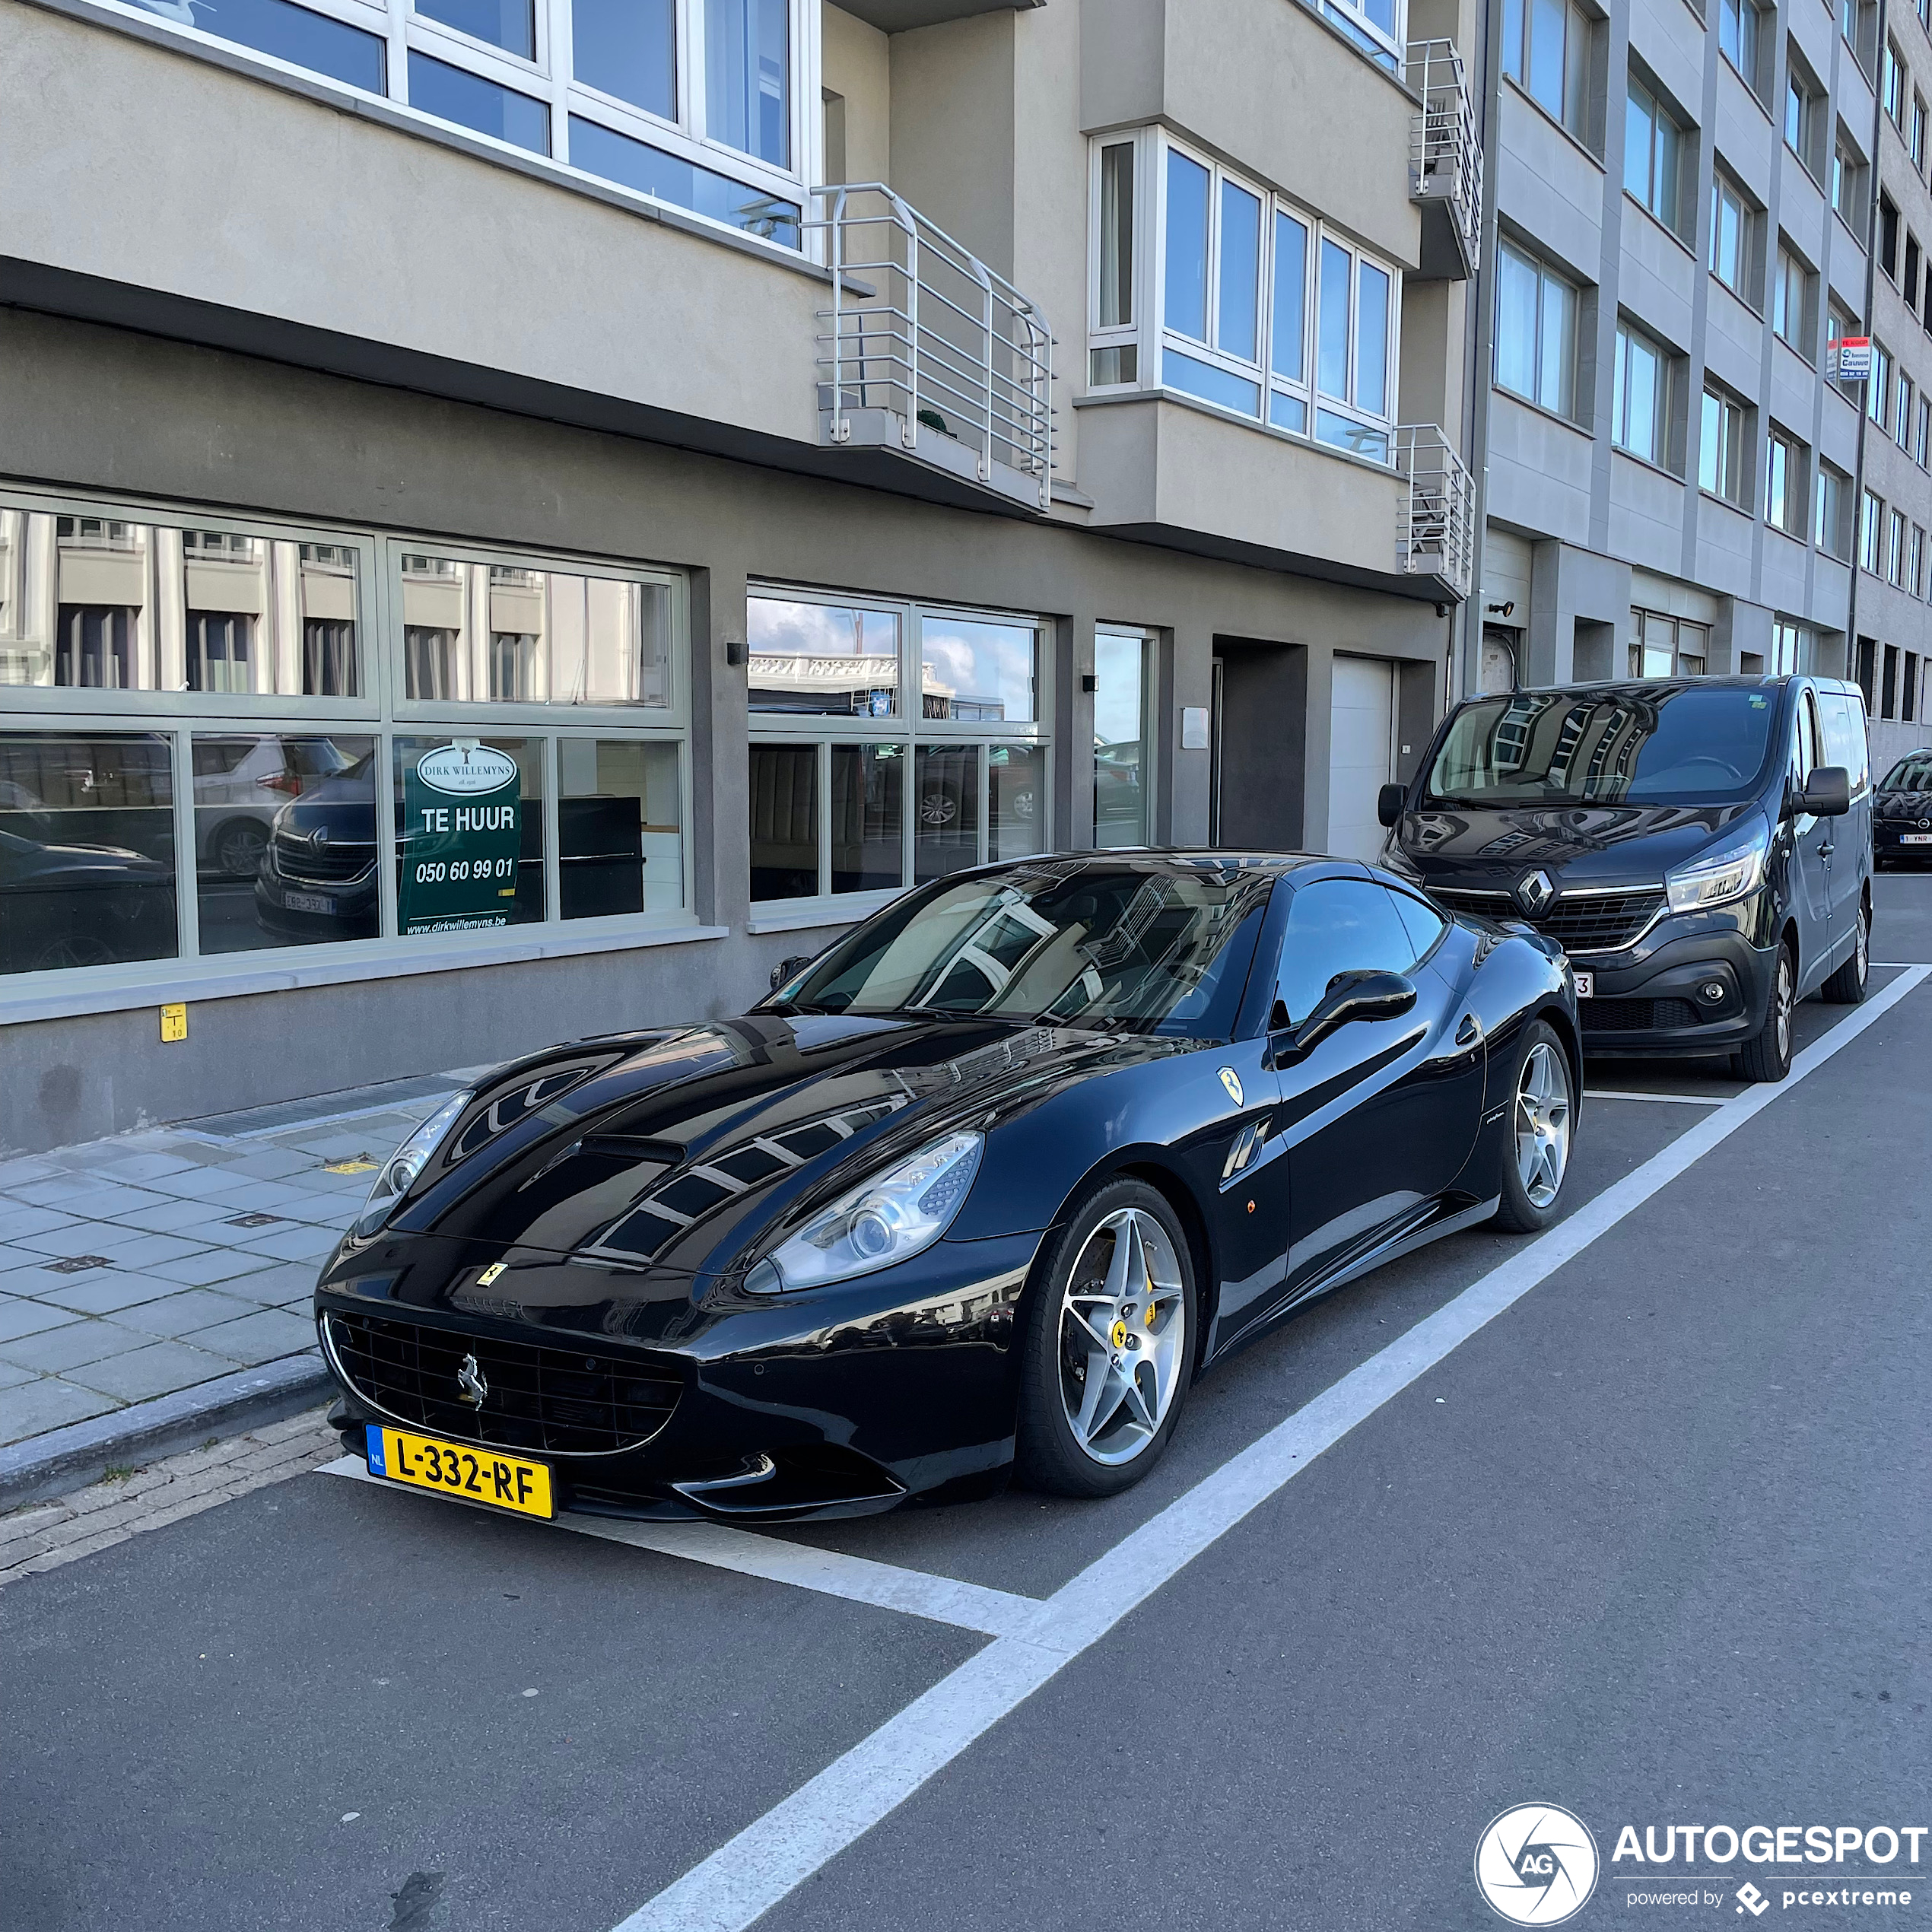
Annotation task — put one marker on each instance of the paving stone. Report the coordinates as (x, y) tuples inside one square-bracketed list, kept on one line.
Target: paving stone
[(201, 1183), (169, 1218), (54, 1351), (96, 1199), (101, 1292), (159, 1369), (145, 1250), (19, 1218), (266, 1336), (36, 1407), (56, 1192), (19, 1316), (272, 1287), (301, 1244), (135, 1169), (204, 1270), (19, 1172), (11, 1377), (273, 1163), (181, 1314), (83, 1238)]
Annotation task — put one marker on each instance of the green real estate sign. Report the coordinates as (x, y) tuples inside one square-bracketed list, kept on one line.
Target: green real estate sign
[(462, 819)]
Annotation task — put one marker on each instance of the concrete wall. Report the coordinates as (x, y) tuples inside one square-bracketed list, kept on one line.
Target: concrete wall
[(856, 63)]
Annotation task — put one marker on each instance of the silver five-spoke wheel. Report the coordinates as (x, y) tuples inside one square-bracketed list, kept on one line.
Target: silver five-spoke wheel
[(1543, 1123), (1123, 1336)]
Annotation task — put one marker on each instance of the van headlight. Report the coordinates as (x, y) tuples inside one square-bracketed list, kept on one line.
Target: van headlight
[(888, 1217), (1731, 871), (398, 1174)]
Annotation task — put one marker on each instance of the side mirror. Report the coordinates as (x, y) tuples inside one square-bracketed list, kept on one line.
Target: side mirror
[(786, 968), (1360, 995), (1827, 793), (1388, 803)]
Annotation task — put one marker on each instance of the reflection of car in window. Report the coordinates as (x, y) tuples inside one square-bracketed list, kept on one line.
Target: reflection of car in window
[(80, 905)]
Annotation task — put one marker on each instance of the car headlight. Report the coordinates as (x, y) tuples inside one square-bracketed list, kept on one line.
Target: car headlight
[(399, 1171), (890, 1217), (1715, 878)]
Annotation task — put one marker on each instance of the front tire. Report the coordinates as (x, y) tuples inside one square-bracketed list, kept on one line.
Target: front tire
[(1846, 987), (1768, 1056), (1543, 1114), (1109, 1347)]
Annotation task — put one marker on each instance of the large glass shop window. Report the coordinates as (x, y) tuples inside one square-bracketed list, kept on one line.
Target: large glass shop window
[(469, 833), (620, 841), (86, 850), (285, 840), (111, 604)]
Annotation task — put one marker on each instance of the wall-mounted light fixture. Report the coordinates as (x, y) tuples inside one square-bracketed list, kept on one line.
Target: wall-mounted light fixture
[(1501, 610)]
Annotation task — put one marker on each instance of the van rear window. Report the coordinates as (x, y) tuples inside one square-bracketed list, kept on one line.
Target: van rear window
[(1702, 744)]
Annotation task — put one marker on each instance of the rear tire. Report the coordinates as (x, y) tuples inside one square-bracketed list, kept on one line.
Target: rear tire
[(1846, 987), (1768, 1056), (1536, 1157), (1108, 1345)]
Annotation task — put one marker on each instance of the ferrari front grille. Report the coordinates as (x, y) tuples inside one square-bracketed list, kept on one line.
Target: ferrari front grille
[(554, 1400)]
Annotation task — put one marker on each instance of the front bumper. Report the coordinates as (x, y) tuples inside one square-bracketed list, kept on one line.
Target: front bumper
[(843, 1401), (1654, 998), (1888, 836)]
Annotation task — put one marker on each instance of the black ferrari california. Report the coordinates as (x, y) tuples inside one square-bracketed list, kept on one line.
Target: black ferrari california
[(980, 1190)]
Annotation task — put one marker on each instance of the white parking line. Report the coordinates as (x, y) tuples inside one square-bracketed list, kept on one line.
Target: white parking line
[(750, 1873), (1676, 1100), (944, 1599)]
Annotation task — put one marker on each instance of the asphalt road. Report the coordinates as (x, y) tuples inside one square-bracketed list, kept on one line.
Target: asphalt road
[(1651, 1544)]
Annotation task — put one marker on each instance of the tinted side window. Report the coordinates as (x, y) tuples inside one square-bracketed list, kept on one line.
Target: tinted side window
[(1844, 734), (1423, 924), (1338, 926)]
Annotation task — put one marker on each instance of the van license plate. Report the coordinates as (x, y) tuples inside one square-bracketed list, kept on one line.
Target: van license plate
[(1586, 986)]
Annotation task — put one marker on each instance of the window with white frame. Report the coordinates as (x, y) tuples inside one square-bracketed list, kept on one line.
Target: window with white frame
[(1653, 148), (1734, 239), (1721, 470), (1915, 570), (1922, 434), (1786, 489), (1737, 36), (1377, 26), (1916, 137), (1878, 387), (1204, 281), (1871, 533), (1805, 112), (1536, 331), (253, 719), (1666, 646), (1831, 527), (892, 742), (1793, 302), (691, 102), (1893, 84), (1787, 651), (1896, 524), (1547, 51), (1848, 184), (1642, 395), (1903, 396)]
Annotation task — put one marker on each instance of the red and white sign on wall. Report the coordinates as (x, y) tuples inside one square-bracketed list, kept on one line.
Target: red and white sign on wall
[(1855, 358)]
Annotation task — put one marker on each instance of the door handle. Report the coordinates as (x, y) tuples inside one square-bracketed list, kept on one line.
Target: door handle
[(1826, 851), (1469, 1033)]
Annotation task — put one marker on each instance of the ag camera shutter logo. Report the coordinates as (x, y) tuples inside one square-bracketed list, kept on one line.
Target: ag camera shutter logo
[(1537, 1864)]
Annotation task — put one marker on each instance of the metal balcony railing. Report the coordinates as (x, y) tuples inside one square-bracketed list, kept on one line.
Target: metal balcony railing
[(1445, 156), (1436, 535), (925, 347)]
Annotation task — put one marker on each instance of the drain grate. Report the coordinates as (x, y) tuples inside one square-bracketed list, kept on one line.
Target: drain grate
[(251, 1220), (77, 1264)]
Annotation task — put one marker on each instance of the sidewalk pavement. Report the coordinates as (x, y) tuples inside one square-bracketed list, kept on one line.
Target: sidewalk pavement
[(153, 1264)]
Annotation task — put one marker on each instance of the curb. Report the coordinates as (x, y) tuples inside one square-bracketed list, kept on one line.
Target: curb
[(71, 1457)]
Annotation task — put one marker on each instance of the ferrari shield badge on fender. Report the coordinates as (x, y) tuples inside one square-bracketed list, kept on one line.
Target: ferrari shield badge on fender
[(1232, 1081)]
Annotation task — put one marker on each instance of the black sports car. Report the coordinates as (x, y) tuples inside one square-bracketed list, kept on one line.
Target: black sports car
[(982, 1187), (1901, 819)]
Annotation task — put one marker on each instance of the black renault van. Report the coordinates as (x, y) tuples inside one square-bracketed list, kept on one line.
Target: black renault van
[(1701, 847)]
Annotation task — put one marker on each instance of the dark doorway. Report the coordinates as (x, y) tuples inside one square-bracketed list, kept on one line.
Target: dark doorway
[(1259, 745)]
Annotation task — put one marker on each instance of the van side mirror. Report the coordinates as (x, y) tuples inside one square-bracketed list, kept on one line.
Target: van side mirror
[(1827, 793), (1363, 994), (786, 968), (1388, 803)]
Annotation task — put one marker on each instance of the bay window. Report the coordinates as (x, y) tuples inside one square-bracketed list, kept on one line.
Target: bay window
[(892, 743), (690, 102), (1203, 282)]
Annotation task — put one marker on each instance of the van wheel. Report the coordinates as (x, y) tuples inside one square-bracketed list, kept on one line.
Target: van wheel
[(1768, 1056), (1846, 987)]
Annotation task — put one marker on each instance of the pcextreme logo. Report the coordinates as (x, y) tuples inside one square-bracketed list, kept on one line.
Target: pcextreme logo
[(1537, 1864)]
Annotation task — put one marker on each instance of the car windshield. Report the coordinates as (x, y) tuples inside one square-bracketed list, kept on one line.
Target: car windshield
[(1699, 745), (1143, 946), (1912, 773)]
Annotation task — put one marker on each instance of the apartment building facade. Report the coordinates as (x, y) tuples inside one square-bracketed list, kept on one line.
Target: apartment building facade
[(1893, 622), (516, 515), (1682, 192)]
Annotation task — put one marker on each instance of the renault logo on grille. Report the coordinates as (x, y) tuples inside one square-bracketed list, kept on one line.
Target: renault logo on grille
[(469, 1379), (1534, 892)]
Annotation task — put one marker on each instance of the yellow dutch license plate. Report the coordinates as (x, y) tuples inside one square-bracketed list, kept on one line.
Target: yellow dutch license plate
[(478, 1475)]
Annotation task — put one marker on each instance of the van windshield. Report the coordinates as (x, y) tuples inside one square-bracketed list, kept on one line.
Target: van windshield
[(1672, 744)]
